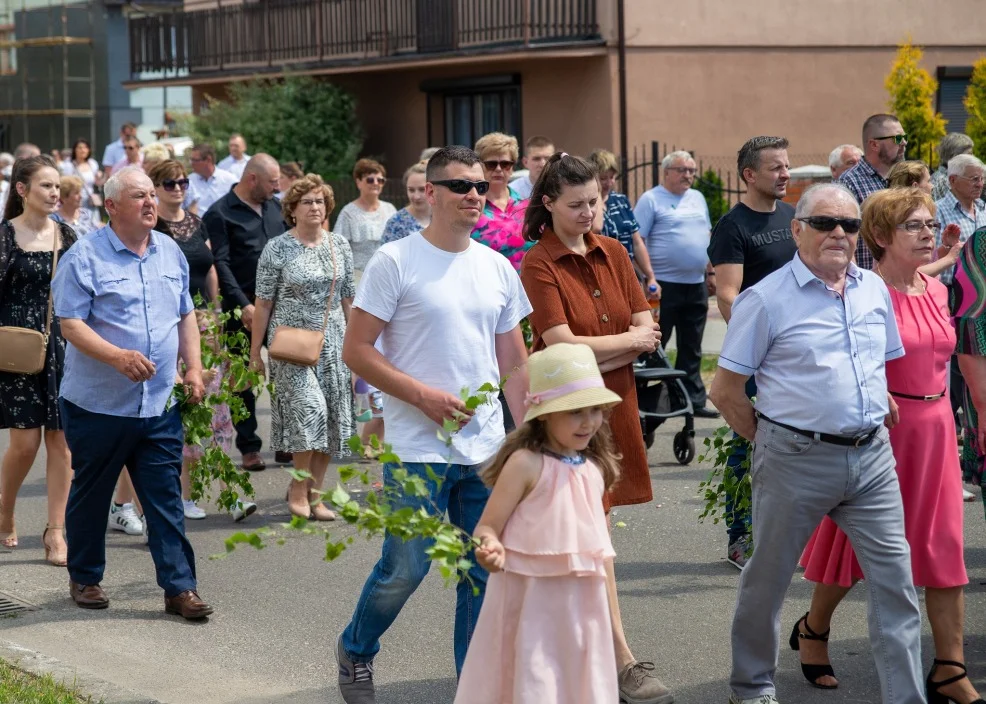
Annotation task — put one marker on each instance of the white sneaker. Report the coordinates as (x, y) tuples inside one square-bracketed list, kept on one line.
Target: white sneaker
[(243, 509), (125, 518), (762, 699), (968, 495), (192, 510)]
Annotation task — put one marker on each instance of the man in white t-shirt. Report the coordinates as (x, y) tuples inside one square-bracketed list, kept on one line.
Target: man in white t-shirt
[(447, 312), (237, 159)]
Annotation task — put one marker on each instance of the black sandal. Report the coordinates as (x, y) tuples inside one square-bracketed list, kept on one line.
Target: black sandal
[(931, 687), (812, 673)]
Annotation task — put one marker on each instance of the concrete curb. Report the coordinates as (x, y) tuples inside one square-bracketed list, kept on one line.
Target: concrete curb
[(39, 664)]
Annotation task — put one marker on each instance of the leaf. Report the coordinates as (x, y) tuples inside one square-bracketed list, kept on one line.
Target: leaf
[(339, 496)]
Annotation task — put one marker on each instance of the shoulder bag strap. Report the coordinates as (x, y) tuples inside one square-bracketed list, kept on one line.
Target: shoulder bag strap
[(54, 263)]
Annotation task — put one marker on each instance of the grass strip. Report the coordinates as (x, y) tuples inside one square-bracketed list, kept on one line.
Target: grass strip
[(19, 687)]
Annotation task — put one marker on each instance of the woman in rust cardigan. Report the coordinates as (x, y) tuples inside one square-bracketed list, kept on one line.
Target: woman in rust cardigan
[(584, 290)]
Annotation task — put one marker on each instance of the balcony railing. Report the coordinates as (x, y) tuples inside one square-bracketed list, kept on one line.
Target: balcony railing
[(269, 34)]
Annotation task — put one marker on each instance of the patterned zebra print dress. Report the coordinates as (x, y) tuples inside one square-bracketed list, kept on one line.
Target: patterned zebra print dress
[(313, 407)]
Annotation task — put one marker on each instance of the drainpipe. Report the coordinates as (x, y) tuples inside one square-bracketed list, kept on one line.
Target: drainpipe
[(622, 54)]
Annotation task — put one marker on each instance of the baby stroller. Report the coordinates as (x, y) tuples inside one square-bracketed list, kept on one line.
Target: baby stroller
[(661, 395)]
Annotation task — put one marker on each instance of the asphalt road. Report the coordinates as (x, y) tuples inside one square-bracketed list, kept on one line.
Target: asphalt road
[(279, 610)]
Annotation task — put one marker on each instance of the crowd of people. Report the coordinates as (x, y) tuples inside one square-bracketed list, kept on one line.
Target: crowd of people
[(871, 287)]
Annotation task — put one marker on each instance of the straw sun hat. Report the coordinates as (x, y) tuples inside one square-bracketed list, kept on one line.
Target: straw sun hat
[(565, 377)]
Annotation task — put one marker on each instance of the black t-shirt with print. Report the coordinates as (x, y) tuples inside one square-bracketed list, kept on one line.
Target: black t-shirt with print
[(761, 242)]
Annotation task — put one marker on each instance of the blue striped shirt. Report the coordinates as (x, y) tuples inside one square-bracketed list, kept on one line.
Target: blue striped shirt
[(818, 357), (133, 302), (863, 180), (949, 211)]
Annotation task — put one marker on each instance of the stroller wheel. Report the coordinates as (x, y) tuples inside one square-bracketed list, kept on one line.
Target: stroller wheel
[(684, 447)]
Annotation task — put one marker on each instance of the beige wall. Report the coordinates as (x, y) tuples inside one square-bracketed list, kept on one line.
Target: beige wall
[(711, 101)]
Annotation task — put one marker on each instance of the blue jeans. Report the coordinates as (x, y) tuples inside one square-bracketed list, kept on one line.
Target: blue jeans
[(151, 449), (738, 523), (403, 565)]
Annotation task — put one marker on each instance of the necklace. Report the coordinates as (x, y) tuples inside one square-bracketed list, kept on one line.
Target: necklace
[(576, 459), (921, 289)]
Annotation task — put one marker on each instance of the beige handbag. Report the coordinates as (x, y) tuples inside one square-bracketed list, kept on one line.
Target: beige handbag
[(299, 345), (22, 350)]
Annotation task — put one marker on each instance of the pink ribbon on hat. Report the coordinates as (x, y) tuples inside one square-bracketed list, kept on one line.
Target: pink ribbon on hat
[(592, 382)]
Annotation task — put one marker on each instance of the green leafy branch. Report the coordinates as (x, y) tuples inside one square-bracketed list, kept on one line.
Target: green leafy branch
[(226, 354), (722, 486), (449, 547), (485, 394)]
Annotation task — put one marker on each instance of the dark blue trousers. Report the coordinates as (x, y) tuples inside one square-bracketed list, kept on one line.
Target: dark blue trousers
[(151, 449)]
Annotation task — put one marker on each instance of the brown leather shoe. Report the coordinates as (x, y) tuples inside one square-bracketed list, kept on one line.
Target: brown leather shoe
[(88, 596), (253, 462), (187, 605)]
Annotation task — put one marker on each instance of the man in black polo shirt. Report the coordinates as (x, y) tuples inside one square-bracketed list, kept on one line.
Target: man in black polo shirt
[(239, 225), (751, 241)]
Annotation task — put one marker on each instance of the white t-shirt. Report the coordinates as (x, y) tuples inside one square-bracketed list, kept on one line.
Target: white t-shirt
[(443, 312)]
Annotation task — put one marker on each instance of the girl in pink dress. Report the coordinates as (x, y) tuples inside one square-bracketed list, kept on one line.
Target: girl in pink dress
[(544, 634), (899, 228)]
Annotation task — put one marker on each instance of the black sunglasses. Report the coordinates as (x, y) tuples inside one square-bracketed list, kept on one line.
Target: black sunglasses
[(898, 138), (824, 223), (171, 184), (461, 187), (504, 165)]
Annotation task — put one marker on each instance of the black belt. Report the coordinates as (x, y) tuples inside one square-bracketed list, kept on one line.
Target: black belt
[(933, 397), (856, 441)]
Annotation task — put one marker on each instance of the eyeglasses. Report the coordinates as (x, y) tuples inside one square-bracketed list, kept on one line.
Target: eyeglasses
[(375, 179), (493, 163), (170, 184), (898, 138), (973, 179), (824, 223), (461, 187), (684, 170), (312, 202), (915, 226)]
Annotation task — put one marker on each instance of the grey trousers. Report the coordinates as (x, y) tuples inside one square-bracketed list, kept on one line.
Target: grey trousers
[(796, 482)]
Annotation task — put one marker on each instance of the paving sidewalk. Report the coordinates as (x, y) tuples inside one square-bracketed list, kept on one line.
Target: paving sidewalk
[(279, 611)]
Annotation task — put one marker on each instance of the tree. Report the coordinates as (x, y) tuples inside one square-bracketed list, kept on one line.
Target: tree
[(292, 119), (710, 185), (975, 105), (912, 92)]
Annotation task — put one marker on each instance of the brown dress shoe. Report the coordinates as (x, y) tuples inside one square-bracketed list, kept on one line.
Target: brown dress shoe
[(253, 462), (187, 605), (88, 596)]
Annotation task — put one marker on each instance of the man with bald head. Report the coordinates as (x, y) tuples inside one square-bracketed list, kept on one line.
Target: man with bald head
[(819, 322), (116, 394), (239, 225)]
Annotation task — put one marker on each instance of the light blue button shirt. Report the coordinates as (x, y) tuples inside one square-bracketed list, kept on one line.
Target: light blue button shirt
[(819, 358), (132, 302), (677, 231), (205, 192)]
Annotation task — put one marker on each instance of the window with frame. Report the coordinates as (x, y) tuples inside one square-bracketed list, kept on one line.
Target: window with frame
[(953, 83), (8, 54), (472, 107)]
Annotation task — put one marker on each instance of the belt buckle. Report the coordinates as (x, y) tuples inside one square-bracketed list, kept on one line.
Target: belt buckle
[(860, 439), (932, 397)]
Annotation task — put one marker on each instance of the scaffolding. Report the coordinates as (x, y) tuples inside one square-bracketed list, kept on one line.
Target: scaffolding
[(47, 71)]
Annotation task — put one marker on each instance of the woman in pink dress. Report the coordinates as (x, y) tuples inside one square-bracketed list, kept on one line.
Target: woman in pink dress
[(899, 227), (544, 634)]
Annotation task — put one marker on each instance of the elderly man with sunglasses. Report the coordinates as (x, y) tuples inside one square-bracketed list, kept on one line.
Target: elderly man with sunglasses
[(816, 334), (884, 144)]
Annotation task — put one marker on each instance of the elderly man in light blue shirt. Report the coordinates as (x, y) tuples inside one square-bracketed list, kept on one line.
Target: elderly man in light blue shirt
[(816, 335), (122, 299), (674, 222)]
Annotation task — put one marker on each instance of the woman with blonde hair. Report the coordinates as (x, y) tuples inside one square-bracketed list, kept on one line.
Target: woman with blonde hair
[(305, 280), (905, 174), (502, 224), (70, 209), (899, 227), (416, 216)]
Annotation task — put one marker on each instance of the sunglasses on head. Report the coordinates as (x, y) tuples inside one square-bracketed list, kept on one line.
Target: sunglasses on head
[(504, 165), (170, 184), (462, 187), (824, 223), (898, 138)]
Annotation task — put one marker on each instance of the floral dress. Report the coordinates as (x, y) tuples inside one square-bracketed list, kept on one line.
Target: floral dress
[(503, 230), (400, 226), (30, 400), (313, 407)]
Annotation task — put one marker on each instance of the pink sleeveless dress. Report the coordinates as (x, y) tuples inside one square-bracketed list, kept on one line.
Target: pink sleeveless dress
[(926, 451), (544, 634)]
